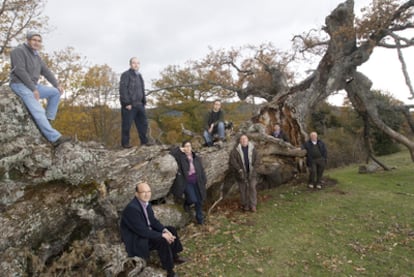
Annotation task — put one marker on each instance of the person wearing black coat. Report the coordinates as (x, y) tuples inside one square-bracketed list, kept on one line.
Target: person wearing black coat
[(190, 179), (133, 101), (142, 232), (278, 133), (316, 157)]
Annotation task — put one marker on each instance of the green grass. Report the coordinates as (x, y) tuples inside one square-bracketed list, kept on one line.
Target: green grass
[(362, 226)]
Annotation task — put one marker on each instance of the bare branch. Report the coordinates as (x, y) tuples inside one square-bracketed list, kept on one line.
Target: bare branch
[(402, 42), (404, 69)]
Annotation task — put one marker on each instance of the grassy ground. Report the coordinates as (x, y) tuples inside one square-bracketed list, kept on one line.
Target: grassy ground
[(361, 226)]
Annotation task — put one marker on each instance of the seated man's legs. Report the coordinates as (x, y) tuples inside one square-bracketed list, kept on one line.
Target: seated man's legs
[(220, 130), (208, 138), (53, 98), (37, 111), (176, 247), (167, 252)]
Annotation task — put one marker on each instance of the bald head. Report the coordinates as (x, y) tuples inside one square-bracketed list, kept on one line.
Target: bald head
[(134, 63), (143, 191)]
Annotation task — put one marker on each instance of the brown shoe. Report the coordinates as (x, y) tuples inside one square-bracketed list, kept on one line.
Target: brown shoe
[(253, 209), (60, 140), (180, 260)]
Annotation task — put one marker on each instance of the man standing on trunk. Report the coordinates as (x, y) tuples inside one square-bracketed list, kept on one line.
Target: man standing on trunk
[(133, 101)]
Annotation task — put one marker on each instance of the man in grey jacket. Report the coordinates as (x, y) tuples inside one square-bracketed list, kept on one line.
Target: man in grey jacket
[(244, 161), (26, 68)]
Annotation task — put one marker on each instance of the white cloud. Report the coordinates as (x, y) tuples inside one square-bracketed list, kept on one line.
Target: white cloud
[(163, 33)]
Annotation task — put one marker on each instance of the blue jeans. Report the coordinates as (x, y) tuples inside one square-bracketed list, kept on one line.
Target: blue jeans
[(137, 115), (192, 196), (208, 137), (40, 116)]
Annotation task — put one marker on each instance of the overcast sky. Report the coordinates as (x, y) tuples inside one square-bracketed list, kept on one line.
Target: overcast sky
[(162, 32)]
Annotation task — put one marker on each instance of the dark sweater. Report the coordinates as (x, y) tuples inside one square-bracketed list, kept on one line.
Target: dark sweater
[(213, 118)]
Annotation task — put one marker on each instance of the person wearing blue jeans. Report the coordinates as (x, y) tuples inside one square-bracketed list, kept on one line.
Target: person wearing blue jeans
[(26, 68), (133, 101), (214, 124), (190, 179)]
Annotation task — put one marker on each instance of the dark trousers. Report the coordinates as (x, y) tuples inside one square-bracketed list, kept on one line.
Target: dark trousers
[(167, 251), (316, 171), (192, 196), (137, 115)]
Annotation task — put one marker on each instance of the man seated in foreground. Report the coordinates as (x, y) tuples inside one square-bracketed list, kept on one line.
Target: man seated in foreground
[(142, 232)]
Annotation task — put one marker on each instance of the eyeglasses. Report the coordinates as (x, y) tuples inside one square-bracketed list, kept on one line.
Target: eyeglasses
[(36, 40), (146, 192)]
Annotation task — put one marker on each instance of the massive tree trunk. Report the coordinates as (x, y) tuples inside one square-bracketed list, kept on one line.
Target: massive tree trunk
[(336, 71)]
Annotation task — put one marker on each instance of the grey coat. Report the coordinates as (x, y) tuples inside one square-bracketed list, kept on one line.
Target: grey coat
[(27, 66)]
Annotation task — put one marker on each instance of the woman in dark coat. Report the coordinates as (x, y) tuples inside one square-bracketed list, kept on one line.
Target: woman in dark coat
[(190, 179)]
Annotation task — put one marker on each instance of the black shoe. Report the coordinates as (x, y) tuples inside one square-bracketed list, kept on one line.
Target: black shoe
[(187, 208), (171, 273), (149, 144), (127, 146), (60, 140)]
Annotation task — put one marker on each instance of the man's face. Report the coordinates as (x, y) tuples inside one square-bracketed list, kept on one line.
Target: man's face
[(135, 64), (144, 192), (244, 141), (314, 136), (277, 128), (216, 106), (35, 43)]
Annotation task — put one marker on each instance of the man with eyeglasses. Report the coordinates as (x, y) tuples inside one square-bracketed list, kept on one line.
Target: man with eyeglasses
[(142, 232), (26, 68)]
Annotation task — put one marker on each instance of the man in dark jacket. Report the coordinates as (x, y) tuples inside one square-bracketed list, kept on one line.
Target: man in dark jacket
[(26, 68), (278, 133), (214, 124), (244, 161), (316, 157), (142, 232), (190, 179), (133, 101)]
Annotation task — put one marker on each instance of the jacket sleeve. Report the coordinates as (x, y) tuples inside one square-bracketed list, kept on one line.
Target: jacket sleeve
[(124, 96), (324, 151), (135, 220), (221, 117), (175, 152), (19, 68), (201, 172), (48, 74), (256, 159), (144, 97), (207, 120), (233, 160)]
